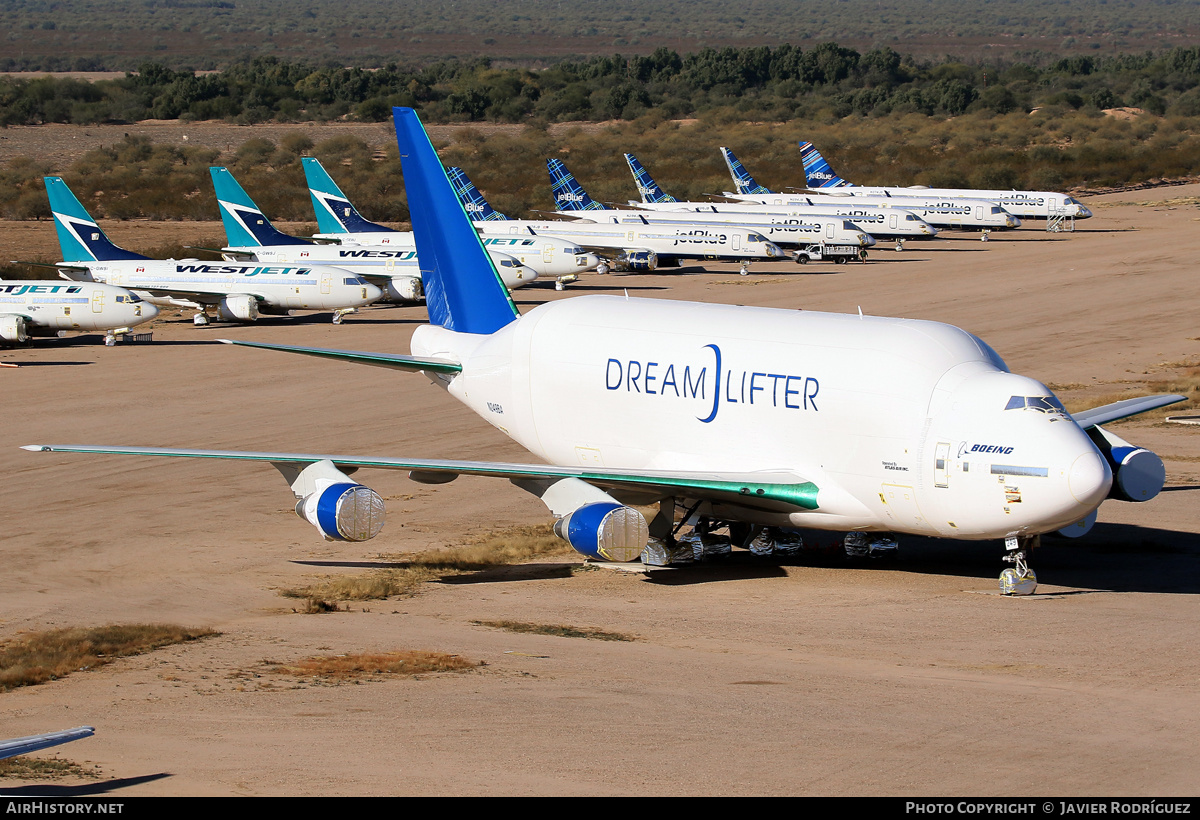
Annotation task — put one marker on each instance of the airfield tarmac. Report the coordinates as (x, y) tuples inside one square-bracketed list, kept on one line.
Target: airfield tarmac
[(809, 677)]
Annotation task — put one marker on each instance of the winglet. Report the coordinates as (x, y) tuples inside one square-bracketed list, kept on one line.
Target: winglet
[(567, 192), (817, 173), (741, 177), (335, 213), (646, 185), (79, 237), (463, 291), (472, 200), (245, 224)]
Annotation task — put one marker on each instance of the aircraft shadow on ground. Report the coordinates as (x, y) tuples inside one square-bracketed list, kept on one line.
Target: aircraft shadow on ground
[(486, 575), (48, 364), (83, 789)]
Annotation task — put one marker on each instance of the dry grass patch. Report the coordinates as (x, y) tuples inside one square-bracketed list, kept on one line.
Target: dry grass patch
[(561, 630), (33, 768), (42, 656), (355, 666), (492, 549)]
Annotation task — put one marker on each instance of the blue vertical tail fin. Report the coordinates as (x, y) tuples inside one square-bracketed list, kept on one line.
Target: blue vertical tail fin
[(567, 192), (817, 173), (646, 185), (79, 237), (245, 225), (335, 213), (745, 183), (473, 203), (463, 291)]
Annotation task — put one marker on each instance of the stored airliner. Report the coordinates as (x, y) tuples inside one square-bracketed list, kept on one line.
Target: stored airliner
[(752, 420), (50, 308), (238, 292)]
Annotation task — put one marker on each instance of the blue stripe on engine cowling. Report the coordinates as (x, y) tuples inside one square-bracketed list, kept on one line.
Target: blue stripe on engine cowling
[(583, 530), (327, 505)]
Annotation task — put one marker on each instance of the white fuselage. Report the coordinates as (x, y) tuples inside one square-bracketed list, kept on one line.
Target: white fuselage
[(785, 231), (278, 288), (41, 308), (1023, 204), (900, 423), (941, 212), (881, 223), (535, 256)]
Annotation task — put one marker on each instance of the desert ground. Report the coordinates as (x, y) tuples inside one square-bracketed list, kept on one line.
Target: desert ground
[(811, 676)]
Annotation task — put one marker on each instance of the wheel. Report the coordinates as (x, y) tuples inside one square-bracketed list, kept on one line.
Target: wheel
[(839, 260), (602, 268), (337, 318), (801, 260)]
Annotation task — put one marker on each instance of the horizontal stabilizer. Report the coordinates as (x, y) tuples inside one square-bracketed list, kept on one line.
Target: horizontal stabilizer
[(774, 488), (394, 361), (1124, 409)]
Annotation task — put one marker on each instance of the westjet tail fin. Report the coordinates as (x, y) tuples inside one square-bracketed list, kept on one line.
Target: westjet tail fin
[(567, 192), (463, 291), (334, 212), (477, 208), (817, 173), (244, 223), (79, 236), (741, 177), (646, 185)]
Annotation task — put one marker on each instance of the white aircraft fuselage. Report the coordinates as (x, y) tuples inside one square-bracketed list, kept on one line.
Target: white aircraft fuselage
[(785, 231), (1023, 204), (941, 212), (900, 424), (44, 308), (881, 223)]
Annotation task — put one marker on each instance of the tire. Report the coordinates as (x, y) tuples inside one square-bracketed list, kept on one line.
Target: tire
[(801, 260), (839, 260)]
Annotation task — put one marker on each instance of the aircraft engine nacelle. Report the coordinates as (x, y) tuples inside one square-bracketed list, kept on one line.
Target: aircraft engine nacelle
[(405, 289), (605, 531), (12, 329), (637, 260), (343, 511), (238, 307), (1138, 474)]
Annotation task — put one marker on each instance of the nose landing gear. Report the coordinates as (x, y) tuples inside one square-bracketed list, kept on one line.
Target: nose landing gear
[(1019, 579)]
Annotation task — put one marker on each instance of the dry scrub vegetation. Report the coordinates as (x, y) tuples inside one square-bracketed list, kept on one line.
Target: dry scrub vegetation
[(559, 630), (349, 667), (1182, 378), (42, 656), (490, 550), (54, 768)]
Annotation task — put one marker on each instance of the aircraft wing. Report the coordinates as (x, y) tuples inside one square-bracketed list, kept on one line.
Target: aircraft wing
[(203, 297), (34, 743), (771, 490), (1124, 409), (395, 361)]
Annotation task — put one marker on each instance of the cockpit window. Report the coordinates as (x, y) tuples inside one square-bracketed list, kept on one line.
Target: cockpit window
[(1043, 404), (757, 237)]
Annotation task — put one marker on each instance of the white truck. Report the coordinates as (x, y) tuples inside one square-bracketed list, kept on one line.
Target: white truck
[(819, 251)]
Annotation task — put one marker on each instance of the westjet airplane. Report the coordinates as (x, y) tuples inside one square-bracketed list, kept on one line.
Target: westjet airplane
[(640, 245), (752, 421), (240, 293), (338, 220), (1024, 204), (50, 308), (394, 269), (786, 230)]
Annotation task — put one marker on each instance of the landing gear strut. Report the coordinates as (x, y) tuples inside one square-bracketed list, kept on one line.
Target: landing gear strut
[(745, 270), (602, 268), (339, 315), (899, 245), (1019, 579), (986, 233), (200, 319)]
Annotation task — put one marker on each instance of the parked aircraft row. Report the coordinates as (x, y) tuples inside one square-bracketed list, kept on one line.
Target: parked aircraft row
[(753, 421)]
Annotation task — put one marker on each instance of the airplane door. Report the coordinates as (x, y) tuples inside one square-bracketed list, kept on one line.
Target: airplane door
[(97, 301), (737, 241), (548, 254), (892, 221), (941, 464), (829, 231), (900, 504), (978, 213), (326, 282)]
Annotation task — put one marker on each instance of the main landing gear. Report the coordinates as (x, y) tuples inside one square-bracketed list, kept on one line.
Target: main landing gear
[(339, 315), (1019, 579), (899, 244), (200, 319), (745, 269)]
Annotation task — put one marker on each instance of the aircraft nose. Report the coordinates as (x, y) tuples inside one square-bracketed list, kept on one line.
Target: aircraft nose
[(372, 293), (1089, 479), (148, 311), (867, 240)]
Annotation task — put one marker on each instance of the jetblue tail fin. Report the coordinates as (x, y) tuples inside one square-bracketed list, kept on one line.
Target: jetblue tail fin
[(817, 173), (646, 186), (245, 225), (79, 236), (741, 177), (463, 291), (567, 192), (477, 208), (335, 214)]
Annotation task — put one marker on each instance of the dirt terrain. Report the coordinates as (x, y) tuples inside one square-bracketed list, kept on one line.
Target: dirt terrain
[(803, 677)]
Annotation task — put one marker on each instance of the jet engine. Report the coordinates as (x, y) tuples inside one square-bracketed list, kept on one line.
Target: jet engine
[(339, 508), (637, 260), (1138, 474), (12, 329), (238, 307), (605, 530), (405, 289)]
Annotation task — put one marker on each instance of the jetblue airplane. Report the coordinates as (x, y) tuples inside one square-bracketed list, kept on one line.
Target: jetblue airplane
[(547, 256), (648, 189), (51, 308), (786, 230), (394, 268), (238, 292), (755, 421), (1024, 204)]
